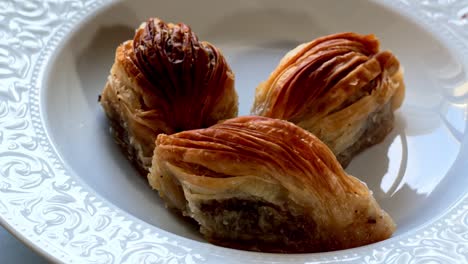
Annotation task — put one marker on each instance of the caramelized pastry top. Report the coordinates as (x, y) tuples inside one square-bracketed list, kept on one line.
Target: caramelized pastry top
[(253, 145), (327, 75), (188, 78)]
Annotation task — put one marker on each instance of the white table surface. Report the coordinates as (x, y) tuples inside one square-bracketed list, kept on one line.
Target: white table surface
[(13, 251)]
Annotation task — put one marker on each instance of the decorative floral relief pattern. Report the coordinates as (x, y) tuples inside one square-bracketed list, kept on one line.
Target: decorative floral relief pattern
[(46, 206), (452, 11)]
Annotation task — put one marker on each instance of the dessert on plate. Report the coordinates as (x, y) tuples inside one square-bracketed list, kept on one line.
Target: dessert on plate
[(164, 81), (257, 183), (341, 87)]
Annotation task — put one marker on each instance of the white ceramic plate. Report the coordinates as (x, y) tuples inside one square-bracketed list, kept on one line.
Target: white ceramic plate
[(67, 191)]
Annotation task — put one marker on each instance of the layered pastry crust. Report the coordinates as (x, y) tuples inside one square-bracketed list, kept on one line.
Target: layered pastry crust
[(265, 184), (164, 81), (340, 87)]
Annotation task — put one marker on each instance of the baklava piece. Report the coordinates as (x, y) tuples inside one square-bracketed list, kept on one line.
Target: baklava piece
[(263, 184), (340, 87), (164, 81)]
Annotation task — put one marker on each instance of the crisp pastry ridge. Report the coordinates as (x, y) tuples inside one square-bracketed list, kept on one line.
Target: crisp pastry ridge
[(164, 81), (264, 184), (340, 87)]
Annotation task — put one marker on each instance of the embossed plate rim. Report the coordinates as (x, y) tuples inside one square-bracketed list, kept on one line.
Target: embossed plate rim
[(133, 238)]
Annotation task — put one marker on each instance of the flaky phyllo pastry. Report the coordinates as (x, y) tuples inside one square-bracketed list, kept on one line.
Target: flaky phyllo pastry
[(339, 87), (164, 81), (265, 184)]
